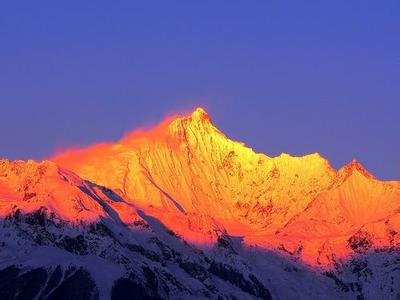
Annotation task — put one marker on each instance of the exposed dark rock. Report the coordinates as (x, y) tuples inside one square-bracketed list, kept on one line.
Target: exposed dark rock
[(8, 274), (252, 286), (149, 254), (195, 270), (126, 288), (37, 218), (22, 285), (77, 286), (360, 242), (340, 283), (77, 245), (100, 229), (53, 281)]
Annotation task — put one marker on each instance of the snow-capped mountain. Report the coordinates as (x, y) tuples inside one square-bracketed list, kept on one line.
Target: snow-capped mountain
[(181, 212)]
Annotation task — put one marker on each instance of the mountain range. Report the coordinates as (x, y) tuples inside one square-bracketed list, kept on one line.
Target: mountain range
[(180, 211)]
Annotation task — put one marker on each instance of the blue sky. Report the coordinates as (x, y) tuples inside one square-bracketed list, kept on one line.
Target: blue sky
[(281, 76)]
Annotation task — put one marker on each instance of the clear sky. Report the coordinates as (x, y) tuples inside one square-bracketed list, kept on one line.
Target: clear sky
[(281, 76)]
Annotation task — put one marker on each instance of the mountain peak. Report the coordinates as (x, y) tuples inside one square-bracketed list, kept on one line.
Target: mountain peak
[(199, 121), (355, 166), (201, 114)]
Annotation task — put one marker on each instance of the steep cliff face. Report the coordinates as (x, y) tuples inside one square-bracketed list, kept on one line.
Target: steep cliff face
[(188, 165)]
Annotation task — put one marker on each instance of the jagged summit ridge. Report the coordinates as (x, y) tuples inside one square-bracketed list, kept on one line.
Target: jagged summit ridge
[(214, 174), (356, 166)]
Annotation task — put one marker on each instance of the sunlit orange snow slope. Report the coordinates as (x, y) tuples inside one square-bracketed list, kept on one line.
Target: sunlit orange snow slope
[(199, 183)]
